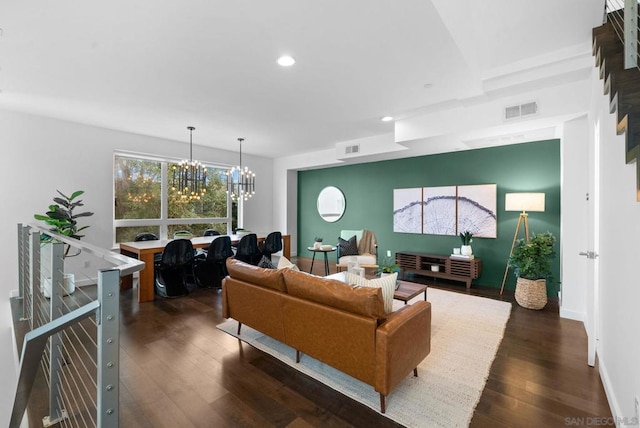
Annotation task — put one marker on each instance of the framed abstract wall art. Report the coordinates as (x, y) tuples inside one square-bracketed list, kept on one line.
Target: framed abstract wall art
[(439, 210), (446, 210), (407, 210)]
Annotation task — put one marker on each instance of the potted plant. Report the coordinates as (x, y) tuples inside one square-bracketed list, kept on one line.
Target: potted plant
[(63, 219), (317, 242), (387, 266), (465, 237), (531, 261)]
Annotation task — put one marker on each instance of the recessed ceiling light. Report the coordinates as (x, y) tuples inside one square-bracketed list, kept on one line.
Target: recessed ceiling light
[(286, 61), (428, 85), (387, 119)]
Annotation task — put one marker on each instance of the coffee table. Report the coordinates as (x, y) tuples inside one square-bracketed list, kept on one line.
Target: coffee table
[(408, 290)]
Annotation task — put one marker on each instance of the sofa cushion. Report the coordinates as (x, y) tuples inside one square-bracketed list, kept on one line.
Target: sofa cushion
[(348, 247), (387, 283), (270, 278), (285, 263), (266, 263), (367, 302)]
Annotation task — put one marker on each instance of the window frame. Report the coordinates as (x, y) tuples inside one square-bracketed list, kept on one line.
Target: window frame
[(164, 221)]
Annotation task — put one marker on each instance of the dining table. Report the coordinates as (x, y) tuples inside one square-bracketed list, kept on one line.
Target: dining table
[(145, 251)]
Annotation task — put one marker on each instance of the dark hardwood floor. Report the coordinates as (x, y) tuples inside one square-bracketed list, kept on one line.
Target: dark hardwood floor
[(178, 370)]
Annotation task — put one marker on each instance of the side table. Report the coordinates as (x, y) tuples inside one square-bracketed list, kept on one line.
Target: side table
[(408, 290), (326, 258)]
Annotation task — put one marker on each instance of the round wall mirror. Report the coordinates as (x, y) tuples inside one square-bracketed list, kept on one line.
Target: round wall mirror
[(331, 204)]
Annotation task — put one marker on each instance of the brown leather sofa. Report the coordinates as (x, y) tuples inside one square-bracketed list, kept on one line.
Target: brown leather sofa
[(342, 326)]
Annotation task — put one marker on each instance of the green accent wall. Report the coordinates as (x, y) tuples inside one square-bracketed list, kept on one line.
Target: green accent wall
[(368, 189)]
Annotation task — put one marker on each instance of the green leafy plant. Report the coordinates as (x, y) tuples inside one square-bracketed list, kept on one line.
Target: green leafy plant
[(532, 260), (465, 237), (62, 218), (388, 265)]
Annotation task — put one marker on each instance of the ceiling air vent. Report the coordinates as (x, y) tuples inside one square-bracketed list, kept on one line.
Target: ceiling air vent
[(352, 149), (513, 112)]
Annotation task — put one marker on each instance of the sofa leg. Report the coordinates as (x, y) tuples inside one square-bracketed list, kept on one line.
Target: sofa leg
[(415, 372), (297, 356), (239, 326), (382, 404)]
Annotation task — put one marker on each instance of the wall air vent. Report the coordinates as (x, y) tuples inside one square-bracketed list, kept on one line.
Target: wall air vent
[(349, 150), (526, 109)]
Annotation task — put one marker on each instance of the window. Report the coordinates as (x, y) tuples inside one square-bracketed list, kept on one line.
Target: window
[(145, 200)]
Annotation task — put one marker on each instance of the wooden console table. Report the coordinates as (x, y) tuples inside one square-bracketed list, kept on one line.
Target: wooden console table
[(449, 267)]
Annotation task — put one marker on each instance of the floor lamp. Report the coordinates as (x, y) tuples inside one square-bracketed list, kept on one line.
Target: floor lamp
[(522, 202)]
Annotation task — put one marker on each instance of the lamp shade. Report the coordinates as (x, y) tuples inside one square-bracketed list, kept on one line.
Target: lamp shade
[(524, 202)]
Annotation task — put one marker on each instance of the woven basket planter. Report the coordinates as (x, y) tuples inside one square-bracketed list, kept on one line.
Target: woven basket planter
[(531, 294)]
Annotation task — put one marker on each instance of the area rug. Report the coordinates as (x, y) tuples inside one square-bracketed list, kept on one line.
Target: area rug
[(466, 332)]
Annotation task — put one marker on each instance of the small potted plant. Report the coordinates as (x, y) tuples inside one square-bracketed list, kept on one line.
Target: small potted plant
[(465, 237), (317, 243), (63, 220), (531, 261), (387, 266)]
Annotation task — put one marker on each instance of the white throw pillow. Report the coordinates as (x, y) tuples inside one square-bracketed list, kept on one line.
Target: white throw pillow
[(285, 263), (387, 283)]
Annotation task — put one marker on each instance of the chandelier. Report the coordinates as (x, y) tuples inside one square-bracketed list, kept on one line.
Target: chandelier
[(189, 182), (241, 182)]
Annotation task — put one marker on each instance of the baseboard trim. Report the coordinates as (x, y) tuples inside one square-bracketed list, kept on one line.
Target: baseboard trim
[(608, 390), (572, 315)]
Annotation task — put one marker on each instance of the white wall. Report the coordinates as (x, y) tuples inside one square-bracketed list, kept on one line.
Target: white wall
[(619, 314), (41, 155)]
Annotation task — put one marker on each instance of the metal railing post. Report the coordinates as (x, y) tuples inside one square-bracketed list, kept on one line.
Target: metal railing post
[(34, 276), (108, 348), (56, 413), (22, 253), (630, 33)]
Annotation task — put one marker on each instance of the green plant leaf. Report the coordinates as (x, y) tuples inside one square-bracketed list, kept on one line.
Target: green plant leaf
[(76, 194), (62, 202), (84, 214)]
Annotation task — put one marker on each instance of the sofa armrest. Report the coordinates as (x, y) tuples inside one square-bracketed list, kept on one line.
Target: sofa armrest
[(402, 342)]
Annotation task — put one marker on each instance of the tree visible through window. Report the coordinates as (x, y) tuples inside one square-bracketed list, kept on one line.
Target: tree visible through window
[(144, 201), (137, 185)]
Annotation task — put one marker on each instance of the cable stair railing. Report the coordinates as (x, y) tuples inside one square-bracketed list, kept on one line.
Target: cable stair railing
[(69, 336), (615, 47)]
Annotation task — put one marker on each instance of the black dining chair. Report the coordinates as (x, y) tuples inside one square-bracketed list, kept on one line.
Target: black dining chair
[(271, 244), (247, 249), (186, 234), (210, 272), (145, 236), (175, 268), (148, 236)]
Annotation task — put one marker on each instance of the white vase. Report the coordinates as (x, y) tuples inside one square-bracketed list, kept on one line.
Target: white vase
[(466, 250), (69, 285)]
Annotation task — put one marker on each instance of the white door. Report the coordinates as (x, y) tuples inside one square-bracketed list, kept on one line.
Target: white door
[(593, 243)]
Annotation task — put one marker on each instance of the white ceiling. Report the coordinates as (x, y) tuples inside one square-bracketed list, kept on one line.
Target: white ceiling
[(154, 68)]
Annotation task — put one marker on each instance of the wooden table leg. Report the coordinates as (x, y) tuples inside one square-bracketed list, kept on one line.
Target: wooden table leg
[(146, 287), (286, 246)]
